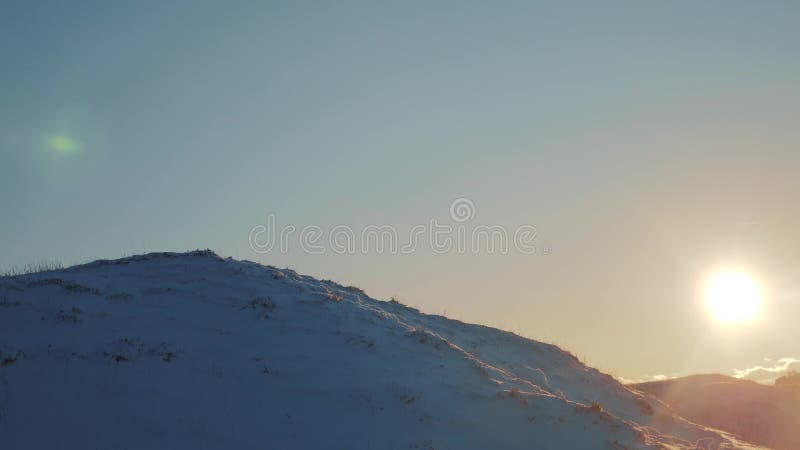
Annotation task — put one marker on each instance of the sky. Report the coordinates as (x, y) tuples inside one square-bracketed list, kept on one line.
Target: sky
[(649, 144)]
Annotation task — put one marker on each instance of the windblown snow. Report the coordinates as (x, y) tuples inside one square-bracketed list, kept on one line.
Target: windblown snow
[(194, 351)]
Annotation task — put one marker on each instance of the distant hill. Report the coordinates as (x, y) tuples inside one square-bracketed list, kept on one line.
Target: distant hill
[(193, 351), (792, 379), (766, 415)]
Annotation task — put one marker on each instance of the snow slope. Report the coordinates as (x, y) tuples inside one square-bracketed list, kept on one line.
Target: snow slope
[(195, 351)]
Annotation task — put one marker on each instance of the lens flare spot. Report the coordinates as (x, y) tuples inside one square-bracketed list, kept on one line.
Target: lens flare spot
[(64, 144)]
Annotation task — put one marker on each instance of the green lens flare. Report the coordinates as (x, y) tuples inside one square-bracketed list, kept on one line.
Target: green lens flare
[(64, 144)]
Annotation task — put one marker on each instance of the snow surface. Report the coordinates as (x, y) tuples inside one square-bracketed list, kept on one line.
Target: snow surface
[(194, 351)]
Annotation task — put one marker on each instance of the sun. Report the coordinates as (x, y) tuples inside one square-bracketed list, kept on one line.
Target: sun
[(733, 296)]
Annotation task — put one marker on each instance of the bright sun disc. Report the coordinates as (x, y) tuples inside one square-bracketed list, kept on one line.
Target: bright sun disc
[(733, 296)]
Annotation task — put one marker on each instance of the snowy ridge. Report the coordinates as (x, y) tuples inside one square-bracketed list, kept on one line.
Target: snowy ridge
[(190, 350)]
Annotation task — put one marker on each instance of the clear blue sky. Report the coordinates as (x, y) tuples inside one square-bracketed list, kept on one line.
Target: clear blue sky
[(648, 143)]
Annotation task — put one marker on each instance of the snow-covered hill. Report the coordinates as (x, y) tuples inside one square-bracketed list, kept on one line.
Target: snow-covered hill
[(195, 351)]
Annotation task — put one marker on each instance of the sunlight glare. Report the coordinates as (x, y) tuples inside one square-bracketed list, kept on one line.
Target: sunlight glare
[(733, 297)]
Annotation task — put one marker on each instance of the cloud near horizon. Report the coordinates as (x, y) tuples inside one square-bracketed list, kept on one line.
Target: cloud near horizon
[(765, 374), (645, 379)]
